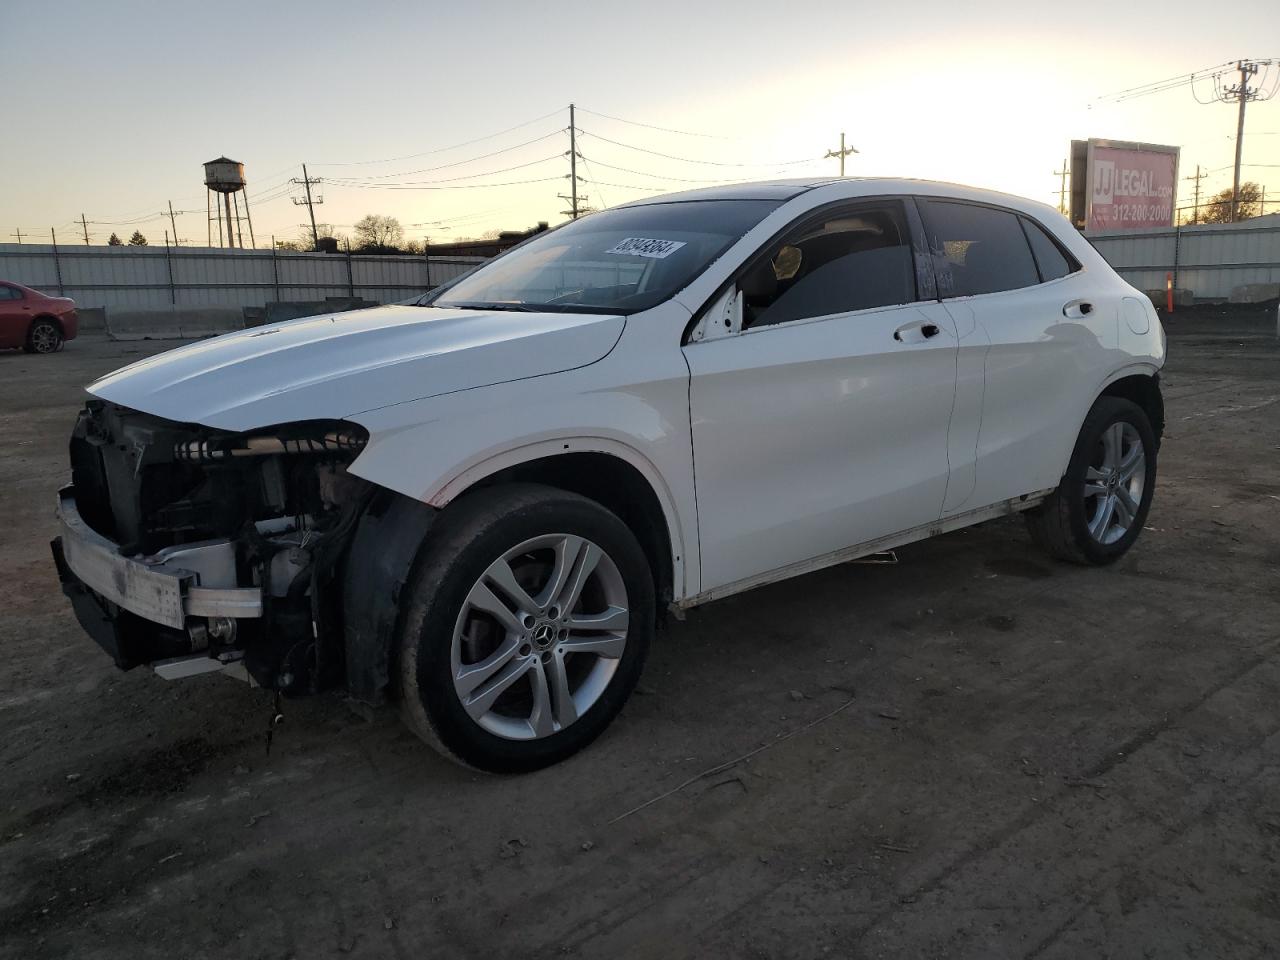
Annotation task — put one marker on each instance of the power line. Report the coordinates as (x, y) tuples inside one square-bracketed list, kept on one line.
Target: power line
[(651, 126), (459, 186), (455, 146), (658, 176), (710, 163), (352, 182), (1159, 86), (587, 167), (457, 163), (624, 186)]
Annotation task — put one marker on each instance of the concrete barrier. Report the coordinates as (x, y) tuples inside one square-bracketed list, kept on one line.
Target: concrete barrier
[(295, 309), (173, 323), (91, 319), (1182, 297), (1255, 292)]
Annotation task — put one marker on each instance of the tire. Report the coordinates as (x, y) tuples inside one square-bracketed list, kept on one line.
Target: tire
[(456, 615), (1073, 523), (45, 336)]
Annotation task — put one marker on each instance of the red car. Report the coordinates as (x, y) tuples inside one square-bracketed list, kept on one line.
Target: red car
[(33, 321)]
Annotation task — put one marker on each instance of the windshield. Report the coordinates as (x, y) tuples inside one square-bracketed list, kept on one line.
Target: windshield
[(616, 261)]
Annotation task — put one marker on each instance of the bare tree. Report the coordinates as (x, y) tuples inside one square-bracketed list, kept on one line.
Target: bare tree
[(305, 241), (1217, 209), (378, 232)]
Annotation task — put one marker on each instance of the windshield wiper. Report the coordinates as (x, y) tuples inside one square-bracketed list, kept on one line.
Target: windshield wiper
[(481, 305)]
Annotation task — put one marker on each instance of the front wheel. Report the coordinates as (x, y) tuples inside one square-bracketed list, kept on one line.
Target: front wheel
[(526, 627), (1101, 504)]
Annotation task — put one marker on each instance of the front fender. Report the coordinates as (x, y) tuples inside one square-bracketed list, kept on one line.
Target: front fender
[(434, 450)]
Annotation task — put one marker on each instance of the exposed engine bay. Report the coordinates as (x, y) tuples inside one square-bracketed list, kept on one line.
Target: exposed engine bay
[(272, 509)]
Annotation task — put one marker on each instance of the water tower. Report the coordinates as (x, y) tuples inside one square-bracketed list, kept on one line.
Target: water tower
[(225, 178)]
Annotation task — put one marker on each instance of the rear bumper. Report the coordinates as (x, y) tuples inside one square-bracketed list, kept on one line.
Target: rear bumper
[(70, 325)]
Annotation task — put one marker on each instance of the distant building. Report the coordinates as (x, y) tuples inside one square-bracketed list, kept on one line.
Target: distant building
[(485, 248)]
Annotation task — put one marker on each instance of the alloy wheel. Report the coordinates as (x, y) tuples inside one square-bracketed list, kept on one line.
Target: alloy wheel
[(45, 338), (539, 637), (1114, 482)]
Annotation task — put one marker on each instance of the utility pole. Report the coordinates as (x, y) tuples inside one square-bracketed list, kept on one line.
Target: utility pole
[(573, 165), (577, 202), (85, 225), (19, 234), (1242, 93), (1195, 215), (306, 181), (172, 223), (572, 161), (841, 153), (1062, 187)]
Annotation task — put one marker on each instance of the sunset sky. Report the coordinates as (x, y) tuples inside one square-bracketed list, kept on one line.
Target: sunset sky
[(114, 106)]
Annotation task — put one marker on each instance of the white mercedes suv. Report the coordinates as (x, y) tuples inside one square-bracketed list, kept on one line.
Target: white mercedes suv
[(479, 505)]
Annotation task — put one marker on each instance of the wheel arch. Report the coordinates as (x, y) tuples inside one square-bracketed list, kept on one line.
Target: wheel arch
[(612, 474), (1141, 385), (388, 540), (57, 322)]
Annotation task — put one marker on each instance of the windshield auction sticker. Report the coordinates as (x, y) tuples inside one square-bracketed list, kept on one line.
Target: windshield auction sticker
[(645, 247)]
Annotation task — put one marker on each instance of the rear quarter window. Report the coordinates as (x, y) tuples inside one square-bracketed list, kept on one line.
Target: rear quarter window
[(1051, 260)]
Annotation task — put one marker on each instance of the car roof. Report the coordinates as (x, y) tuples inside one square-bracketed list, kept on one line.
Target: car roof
[(845, 187)]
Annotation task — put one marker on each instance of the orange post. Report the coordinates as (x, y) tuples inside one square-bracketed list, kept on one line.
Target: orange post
[(1168, 287)]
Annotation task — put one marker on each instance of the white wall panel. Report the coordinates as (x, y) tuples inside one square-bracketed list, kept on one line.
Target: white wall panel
[(1209, 260), (199, 277)]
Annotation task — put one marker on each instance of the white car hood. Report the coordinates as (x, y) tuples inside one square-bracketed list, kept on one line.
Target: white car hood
[(339, 365)]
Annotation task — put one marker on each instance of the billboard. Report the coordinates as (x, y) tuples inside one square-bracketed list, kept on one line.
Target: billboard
[(1117, 185)]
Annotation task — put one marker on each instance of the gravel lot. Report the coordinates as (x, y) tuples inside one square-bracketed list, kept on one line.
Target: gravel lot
[(973, 753)]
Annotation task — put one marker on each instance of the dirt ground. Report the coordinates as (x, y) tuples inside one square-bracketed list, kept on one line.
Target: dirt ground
[(974, 753)]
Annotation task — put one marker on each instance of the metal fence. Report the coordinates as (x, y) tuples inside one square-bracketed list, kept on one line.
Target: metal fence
[(1210, 260), (157, 277)]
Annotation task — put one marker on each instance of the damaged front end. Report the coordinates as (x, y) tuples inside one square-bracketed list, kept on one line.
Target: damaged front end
[(194, 550)]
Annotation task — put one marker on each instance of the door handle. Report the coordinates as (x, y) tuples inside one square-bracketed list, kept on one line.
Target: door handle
[(916, 332), (1077, 309)]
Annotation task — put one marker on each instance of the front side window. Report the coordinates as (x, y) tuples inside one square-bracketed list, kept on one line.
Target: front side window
[(616, 261), (982, 249), (855, 258)]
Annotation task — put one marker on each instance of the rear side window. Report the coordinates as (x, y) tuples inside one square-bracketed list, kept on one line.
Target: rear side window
[(985, 248), (1050, 259), (852, 258), (10, 293)]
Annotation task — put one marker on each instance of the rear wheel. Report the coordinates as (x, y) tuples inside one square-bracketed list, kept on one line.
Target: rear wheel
[(1100, 506), (45, 336), (525, 629)]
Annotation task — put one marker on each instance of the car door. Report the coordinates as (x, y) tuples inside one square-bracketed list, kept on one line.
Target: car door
[(1031, 337), (822, 423), (13, 319)]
